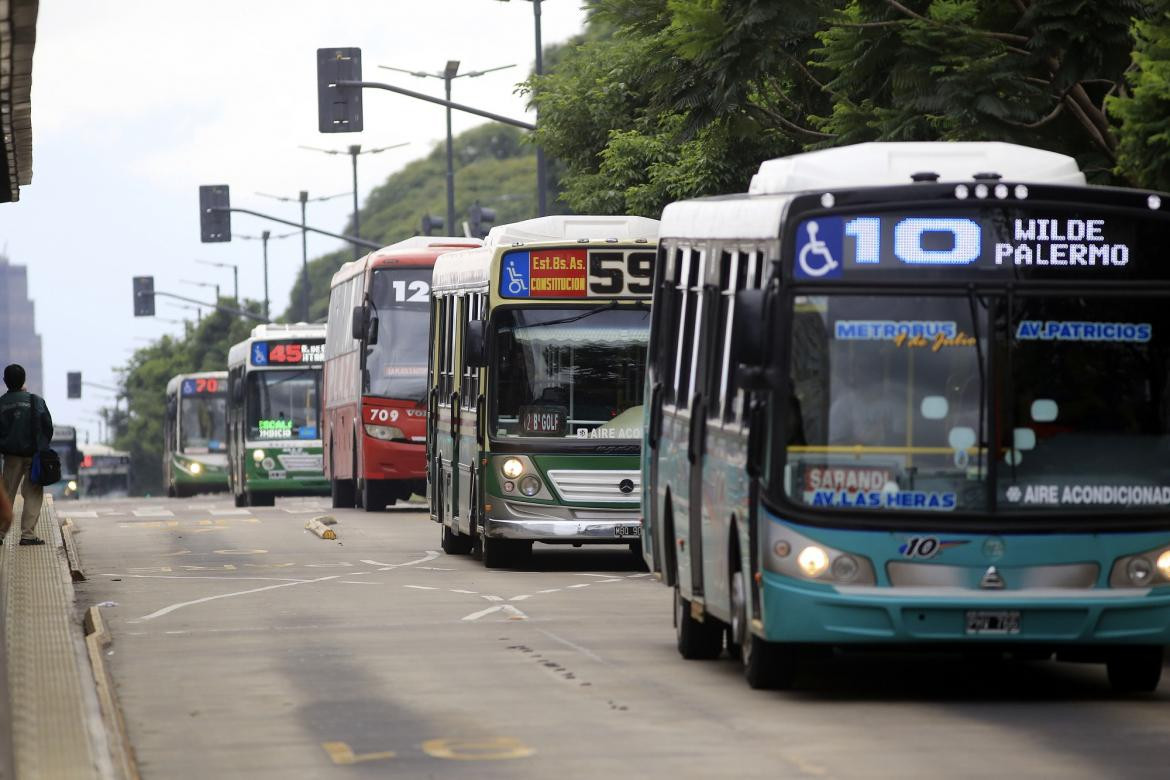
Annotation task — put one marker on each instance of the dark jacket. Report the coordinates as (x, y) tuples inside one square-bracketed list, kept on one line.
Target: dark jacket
[(16, 433)]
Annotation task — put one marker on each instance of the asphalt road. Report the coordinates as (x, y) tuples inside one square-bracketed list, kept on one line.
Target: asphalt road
[(244, 646)]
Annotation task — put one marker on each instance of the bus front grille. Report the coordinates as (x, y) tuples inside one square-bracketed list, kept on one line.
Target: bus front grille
[(301, 462), (597, 486)]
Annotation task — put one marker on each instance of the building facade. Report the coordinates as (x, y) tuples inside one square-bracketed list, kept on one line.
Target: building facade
[(19, 341)]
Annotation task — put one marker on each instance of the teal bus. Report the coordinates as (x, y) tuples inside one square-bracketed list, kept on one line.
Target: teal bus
[(274, 414), (195, 434), (534, 419), (65, 445), (914, 395)]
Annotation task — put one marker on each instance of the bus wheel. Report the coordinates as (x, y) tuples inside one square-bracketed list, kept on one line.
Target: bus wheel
[(341, 493), (454, 543), (261, 499), (241, 499), (766, 665), (373, 496), (499, 553), (696, 640), (171, 491), (1135, 669)]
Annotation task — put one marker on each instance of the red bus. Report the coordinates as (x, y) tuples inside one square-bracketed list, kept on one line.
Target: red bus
[(376, 345)]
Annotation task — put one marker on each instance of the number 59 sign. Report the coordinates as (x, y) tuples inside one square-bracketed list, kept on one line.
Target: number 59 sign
[(577, 273)]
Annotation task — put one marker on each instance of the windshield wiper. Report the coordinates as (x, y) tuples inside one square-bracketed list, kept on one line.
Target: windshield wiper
[(576, 317)]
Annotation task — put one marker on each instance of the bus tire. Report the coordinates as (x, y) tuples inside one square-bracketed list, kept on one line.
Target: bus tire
[(341, 493), (697, 641), (1136, 669), (241, 499), (500, 553), (258, 498), (373, 496), (454, 543)]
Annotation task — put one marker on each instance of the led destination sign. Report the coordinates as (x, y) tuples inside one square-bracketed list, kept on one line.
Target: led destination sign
[(202, 386), (576, 273), (834, 247), (287, 353)]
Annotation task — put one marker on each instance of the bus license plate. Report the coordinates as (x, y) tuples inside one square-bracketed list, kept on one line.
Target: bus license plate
[(987, 622), (628, 530)]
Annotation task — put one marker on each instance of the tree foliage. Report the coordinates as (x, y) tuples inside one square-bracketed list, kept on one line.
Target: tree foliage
[(666, 99)]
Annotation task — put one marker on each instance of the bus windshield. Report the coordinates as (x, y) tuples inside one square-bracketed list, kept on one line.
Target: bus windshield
[(398, 362), (284, 404), (570, 372), (203, 424), (888, 391)]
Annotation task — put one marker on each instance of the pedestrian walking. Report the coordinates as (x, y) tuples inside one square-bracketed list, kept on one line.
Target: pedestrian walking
[(25, 427)]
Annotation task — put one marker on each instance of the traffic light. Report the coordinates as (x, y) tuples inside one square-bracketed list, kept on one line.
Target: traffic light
[(481, 219), (143, 296), (73, 384), (215, 220), (430, 223), (339, 109)]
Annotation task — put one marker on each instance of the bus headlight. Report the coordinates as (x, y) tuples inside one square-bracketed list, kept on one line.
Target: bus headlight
[(813, 561), (72, 488), (1141, 570), (384, 432), (257, 455), (196, 468), (530, 486), (513, 468)]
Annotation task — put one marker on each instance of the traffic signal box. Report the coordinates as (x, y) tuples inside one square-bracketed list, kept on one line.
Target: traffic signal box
[(339, 109), (431, 223), (73, 384), (215, 219), (143, 297), (480, 219)]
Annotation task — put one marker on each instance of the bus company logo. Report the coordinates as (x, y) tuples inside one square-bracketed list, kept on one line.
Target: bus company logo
[(626, 486), (819, 248), (260, 353), (926, 547)]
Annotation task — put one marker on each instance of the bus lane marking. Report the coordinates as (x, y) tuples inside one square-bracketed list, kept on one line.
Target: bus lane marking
[(507, 609), (342, 755), (430, 556), (357, 582), (198, 577), (180, 605), (420, 587)]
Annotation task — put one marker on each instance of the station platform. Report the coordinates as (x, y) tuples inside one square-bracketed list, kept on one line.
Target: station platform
[(51, 723)]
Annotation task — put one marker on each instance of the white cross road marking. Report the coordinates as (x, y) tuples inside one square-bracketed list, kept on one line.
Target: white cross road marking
[(492, 598), (351, 582), (420, 587), (173, 607), (153, 512), (430, 556), (636, 576), (507, 609), (611, 579), (520, 598), (581, 585), (79, 515), (550, 590), (468, 592), (230, 512)]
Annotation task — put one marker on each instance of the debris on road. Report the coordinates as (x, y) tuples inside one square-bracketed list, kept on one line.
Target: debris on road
[(317, 526)]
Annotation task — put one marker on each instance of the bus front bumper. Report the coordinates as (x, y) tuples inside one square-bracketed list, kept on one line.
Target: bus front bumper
[(795, 612), (575, 525)]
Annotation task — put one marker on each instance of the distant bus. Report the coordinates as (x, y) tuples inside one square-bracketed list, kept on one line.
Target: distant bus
[(65, 445), (536, 372), (195, 434), (914, 394), (274, 414), (375, 378), (105, 472)]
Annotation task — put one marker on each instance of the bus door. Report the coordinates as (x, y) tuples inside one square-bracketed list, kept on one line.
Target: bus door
[(467, 405), (657, 546), (706, 299)]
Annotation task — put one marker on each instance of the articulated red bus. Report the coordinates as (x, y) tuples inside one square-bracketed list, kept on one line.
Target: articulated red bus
[(375, 381)]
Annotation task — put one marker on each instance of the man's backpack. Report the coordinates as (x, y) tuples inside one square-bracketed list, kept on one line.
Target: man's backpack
[(46, 463)]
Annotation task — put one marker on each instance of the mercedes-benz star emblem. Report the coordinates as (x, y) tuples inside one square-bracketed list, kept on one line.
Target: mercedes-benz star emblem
[(626, 486)]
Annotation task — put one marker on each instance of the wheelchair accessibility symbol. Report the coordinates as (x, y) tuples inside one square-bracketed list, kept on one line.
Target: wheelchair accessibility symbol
[(515, 282), (814, 258)]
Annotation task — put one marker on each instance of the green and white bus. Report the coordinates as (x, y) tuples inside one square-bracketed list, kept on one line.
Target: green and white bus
[(195, 434), (535, 385), (274, 414), (914, 395)]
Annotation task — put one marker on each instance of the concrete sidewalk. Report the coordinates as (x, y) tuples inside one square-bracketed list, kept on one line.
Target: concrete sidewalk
[(51, 725)]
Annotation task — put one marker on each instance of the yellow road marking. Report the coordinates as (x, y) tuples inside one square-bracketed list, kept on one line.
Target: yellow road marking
[(342, 755), (488, 749)]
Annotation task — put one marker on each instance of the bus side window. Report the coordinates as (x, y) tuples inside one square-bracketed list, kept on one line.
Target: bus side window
[(444, 304), (689, 328), (470, 384), (721, 340), (433, 341), (749, 279), (449, 361), (685, 313)]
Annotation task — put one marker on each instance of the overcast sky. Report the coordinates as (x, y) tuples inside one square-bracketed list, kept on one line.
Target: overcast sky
[(137, 102)]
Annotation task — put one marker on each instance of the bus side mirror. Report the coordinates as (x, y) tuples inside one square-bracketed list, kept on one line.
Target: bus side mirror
[(473, 344), (748, 333), (359, 322)]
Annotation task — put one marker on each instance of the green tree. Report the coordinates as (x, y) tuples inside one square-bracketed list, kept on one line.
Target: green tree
[(1142, 106)]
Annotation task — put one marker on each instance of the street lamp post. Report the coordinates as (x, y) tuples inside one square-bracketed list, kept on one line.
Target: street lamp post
[(194, 283), (541, 177), (303, 198), (450, 73), (354, 151), (263, 239), (235, 276)]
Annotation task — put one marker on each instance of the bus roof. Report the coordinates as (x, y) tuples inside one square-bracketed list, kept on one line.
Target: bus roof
[(100, 450), (470, 268), (883, 163), (174, 382), (238, 353), (421, 248), (757, 214)]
